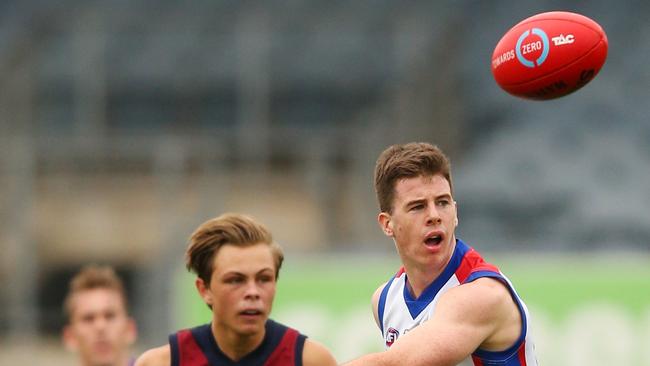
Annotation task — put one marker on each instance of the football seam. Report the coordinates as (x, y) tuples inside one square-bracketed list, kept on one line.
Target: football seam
[(600, 31)]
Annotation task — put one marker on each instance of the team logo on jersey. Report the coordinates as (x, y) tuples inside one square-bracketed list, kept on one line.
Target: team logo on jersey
[(391, 336)]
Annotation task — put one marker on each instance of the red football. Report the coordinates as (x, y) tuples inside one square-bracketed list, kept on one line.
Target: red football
[(549, 55)]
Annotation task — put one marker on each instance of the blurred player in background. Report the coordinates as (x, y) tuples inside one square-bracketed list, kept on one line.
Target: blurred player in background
[(445, 306), (237, 266), (98, 327)]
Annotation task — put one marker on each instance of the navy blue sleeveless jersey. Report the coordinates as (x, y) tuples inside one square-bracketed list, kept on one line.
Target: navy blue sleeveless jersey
[(282, 346)]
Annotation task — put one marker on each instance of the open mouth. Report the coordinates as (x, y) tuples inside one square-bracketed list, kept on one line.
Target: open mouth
[(102, 347), (433, 240), (250, 312)]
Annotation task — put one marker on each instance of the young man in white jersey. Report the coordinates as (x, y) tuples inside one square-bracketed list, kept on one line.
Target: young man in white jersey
[(445, 306)]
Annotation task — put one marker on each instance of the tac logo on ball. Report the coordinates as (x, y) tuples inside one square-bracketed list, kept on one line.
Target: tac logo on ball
[(525, 49)]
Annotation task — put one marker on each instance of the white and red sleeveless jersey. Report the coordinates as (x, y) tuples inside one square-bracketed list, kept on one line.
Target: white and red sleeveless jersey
[(399, 312)]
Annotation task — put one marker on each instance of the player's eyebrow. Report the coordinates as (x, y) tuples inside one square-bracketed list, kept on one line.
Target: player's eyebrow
[(423, 200), (415, 202), (238, 273), (265, 269), (444, 195)]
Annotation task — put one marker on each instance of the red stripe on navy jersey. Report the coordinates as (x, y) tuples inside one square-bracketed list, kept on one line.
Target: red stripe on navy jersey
[(522, 354), (464, 269), (282, 346), (477, 361), (472, 262), (285, 353), (190, 353)]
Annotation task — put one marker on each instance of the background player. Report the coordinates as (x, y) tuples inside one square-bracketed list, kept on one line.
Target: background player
[(98, 326), (237, 264), (445, 306)]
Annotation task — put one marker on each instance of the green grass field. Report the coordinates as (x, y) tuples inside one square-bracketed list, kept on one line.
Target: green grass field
[(570, 297), (553, 284)]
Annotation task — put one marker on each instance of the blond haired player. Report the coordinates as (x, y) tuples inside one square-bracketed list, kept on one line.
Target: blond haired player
[(99, 328)]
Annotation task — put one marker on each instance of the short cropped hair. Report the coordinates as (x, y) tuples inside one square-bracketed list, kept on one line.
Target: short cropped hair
[(410, 160), (227, 229), (93, 277)]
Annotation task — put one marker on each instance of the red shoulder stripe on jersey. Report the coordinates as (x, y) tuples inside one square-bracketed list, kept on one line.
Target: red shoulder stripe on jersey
[(522, 353), (190, 352), (472, 262), (284, 353), (463, 270), (477, 361)]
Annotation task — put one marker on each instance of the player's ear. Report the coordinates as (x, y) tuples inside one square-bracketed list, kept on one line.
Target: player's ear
[(385, 223), (456, 217), (131, 331), (204, 290), (69, 340)]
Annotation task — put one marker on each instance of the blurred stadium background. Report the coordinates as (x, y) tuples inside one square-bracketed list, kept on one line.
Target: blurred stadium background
[(125, 124)]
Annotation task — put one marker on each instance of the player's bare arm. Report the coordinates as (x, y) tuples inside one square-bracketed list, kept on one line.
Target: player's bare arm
[(375, 303), (315, 354), (481, 314), (160, 356)]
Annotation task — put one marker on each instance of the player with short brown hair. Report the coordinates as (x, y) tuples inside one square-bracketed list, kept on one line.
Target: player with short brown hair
[(445, 306), (237, 265)]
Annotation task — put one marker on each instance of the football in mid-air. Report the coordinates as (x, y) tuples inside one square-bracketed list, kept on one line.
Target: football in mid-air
[(549, 55)]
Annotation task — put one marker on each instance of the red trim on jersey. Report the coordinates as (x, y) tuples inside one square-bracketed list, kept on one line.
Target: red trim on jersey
[(285, 352), (473, 262), (399, 273), (522, 353), (465, 268), (477, 361), (189, 351)]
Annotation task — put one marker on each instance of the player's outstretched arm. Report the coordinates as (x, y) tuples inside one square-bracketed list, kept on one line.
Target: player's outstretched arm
[(160, 356), (315, 354), (478, 314)]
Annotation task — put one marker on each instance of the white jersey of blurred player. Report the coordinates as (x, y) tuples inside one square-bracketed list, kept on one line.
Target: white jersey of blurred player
[(399, 312)]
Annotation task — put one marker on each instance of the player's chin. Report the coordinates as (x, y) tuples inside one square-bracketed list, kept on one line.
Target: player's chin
[(103, 351), (248, 324), (103, 358), (250, 329)]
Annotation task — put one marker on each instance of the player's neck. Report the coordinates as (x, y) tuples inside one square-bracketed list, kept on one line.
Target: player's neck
[(420, 276), (235, 345), (418, 280)]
